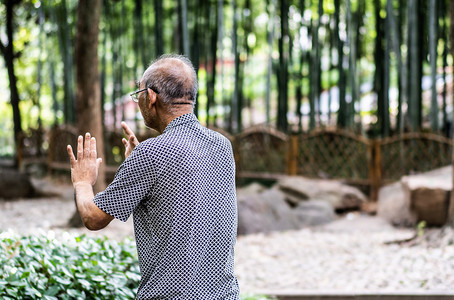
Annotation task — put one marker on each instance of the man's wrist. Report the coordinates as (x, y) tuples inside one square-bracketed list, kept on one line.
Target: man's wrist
[(81, 184)]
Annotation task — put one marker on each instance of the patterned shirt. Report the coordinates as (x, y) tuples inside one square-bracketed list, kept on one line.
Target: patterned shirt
[(180, 188)]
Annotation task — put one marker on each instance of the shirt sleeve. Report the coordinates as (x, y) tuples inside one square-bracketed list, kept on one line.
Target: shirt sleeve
[(131, 185)]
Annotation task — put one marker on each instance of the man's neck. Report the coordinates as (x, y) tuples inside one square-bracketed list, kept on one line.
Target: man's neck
[(165, 120)]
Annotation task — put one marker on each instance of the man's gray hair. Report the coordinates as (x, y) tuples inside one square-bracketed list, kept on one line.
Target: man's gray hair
[(172, 80)]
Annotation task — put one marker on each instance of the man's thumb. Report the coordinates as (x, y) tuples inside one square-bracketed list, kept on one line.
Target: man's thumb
[(98, 162)]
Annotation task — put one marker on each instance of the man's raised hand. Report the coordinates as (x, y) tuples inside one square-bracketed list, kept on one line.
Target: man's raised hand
[(131, 142), (84, 168)]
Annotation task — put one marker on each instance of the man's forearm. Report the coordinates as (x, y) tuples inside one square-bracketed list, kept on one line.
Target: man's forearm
[(83, 193), (92, 217)]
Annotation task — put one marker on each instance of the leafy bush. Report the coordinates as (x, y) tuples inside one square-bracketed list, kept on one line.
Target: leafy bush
[(71, 267), (38, 267)]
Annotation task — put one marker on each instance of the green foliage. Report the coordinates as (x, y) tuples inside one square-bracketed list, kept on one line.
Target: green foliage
[(257, 297), (72, 267), (38, 267), (420, 227)]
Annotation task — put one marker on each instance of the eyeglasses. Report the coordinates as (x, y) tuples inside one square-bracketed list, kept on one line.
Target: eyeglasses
[(135, 96)]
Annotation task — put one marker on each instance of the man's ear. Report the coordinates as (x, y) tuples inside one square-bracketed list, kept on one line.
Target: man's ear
[(152, 97)]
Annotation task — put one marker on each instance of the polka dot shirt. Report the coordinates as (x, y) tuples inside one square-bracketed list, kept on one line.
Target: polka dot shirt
[(180, 188)]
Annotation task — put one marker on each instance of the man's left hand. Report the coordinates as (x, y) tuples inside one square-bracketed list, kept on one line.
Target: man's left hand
[(84, 168)]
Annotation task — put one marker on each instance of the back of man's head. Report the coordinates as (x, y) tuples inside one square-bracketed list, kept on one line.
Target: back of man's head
[(173, 77)]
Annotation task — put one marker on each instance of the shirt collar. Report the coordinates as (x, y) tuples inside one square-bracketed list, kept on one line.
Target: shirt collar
[(183, 119)]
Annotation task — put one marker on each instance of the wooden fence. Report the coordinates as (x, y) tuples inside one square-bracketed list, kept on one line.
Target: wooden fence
[(264, 152)]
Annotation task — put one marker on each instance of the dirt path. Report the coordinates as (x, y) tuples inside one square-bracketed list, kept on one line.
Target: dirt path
[(52, 212)]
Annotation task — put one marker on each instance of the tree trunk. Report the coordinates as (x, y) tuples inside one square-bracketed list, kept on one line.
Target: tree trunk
[(318, 63), (283, 68), (184, 27), (395, 40), (360, 12), (351, 41), (88, 97), (299, 77), (433, 42), (236, 109), (445, 37), (379, 57), (158, 27), (212, 17), (385, 124), (271, 8), (64, 41), (139, 40), (341, 115), (220, 14), (414, 66), (104, 66), (9, 56), (195, 55), (451, 202), (39, 69)]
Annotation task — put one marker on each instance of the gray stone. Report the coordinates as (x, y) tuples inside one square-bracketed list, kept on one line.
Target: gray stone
[(340, 196), (415, 198), (14, 184), (264, 212), (393, 206), (314, 213)]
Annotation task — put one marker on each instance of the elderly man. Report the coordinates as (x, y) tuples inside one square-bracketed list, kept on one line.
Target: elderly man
[(179, 186)]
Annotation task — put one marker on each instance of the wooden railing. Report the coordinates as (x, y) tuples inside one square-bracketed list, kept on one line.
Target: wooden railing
[(264, 152), (341, 155)]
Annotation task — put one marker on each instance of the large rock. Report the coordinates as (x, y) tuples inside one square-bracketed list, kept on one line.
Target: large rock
[(428, 195), (14, 184), (264, 211), (314, 213), (340, 196), (394, 207)]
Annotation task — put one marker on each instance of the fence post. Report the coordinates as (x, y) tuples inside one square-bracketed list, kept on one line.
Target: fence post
[(374, 168), (236, 154), (292, 155)]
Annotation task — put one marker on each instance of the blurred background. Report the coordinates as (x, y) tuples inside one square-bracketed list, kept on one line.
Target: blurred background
[(341, 110), (353, 90)]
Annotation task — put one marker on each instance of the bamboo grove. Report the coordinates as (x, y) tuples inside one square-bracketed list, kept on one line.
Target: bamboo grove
[(369, 66)]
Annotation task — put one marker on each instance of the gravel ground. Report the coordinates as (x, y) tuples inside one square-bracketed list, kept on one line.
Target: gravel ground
[(347, 261), (348, 255)]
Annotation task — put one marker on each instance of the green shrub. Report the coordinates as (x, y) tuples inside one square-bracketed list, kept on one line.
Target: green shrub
[(38, 267), (71, 267)]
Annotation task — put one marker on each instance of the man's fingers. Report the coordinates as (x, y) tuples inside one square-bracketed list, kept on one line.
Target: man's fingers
[(80, 147), (133, 140), (87, 145), (72, 159), (127, 130), (125, 142), (93, 148)]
